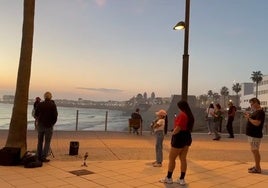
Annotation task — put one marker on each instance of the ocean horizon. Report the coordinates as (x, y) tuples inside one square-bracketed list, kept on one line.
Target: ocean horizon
[(72, 118)]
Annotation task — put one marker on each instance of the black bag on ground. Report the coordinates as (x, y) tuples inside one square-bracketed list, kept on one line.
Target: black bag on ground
[(9, 156), (30, 160)]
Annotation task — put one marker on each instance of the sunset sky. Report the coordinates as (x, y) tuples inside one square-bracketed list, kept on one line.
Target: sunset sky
[(115, 49)]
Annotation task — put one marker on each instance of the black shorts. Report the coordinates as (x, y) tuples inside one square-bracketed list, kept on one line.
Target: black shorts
[(181, 139)]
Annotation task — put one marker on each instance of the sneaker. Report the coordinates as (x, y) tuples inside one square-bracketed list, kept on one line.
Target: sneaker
[(166, 180), (154, 162), (254, 170), (157, 165), (181, 181), (209, 133)]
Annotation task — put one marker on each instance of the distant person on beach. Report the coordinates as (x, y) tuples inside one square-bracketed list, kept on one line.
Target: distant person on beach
[(255, 121), (230, 118), (136, 115), (159, 128), (209, 118), (46, 113), (217, 118), (180, 142), (37, 101)]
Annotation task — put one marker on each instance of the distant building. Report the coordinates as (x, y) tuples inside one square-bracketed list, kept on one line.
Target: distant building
[(8, 98), (262, 91), (249, 91), (246, 94)]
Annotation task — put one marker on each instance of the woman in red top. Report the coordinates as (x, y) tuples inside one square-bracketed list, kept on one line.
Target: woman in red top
[(180, 142)]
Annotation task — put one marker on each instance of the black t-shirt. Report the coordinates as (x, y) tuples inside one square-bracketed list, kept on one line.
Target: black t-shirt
[(256, 131)]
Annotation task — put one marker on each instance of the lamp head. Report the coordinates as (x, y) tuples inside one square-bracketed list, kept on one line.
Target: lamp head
[(179, 26)]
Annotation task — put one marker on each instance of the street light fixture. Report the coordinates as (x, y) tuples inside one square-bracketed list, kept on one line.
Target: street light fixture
[(185, 57), (179, 26)]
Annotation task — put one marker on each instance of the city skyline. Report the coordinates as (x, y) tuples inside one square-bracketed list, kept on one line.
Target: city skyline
[(113, 50)]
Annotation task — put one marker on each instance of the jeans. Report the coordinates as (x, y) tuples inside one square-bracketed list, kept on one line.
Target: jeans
[(210, 123), (159, 135), (44, 132)]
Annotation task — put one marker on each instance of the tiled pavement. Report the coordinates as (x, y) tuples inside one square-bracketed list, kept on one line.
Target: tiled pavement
[(124, 160)]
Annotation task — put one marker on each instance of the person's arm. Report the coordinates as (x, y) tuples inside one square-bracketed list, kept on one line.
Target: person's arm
[(255, 122), (176, 130)]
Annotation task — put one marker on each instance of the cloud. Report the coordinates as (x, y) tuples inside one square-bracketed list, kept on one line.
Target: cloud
[(103, 90), (100, 3)]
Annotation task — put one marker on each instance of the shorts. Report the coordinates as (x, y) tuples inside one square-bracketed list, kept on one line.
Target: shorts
[(181, 139), (254, 142)]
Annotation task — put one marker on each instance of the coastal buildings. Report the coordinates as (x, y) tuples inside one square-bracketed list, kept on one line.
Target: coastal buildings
[(249, 90)]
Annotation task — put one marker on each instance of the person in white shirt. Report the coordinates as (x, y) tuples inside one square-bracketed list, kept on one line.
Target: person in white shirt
[(210, 118), (159, 126)]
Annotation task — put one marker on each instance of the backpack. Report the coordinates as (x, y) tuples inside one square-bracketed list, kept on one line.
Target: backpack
[(30, 160)]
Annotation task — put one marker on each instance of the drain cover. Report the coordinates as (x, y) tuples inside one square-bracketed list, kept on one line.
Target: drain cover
[(81, 172)]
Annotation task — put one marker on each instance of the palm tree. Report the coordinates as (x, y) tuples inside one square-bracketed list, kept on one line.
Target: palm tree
[(203, 100), (216, 97), (210, 95), (17, 134), (256, 77), (237, 88), (224, 93)]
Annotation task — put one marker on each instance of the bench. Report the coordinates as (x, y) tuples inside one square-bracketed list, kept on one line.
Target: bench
[(134, 123)]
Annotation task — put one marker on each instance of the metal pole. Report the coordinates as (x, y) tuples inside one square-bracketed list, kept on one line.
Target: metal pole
[(76, 125), (185, 57), (106, 117)]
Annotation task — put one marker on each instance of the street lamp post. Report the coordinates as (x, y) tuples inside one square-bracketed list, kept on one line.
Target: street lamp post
[(185, 57)]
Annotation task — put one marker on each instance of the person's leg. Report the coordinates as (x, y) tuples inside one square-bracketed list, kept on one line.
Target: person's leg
[(160, 138), (159, 135), (257, 159), (231, 128), (209, 121), (255, 145), (174, 152), (220, 125), (183, 155), (48, 136), (40, 142), (156, 147), (216, 127)]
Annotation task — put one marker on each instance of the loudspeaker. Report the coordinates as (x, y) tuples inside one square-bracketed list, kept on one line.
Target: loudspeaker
[(9, 156), (74, 146)]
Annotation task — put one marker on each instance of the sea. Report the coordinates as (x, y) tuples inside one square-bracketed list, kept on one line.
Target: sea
[(71, 118)]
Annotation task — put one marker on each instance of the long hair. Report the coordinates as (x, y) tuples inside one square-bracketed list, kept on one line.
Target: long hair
[(184, 106)]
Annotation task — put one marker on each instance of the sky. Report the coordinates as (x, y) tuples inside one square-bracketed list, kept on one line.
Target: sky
[(114, 49)]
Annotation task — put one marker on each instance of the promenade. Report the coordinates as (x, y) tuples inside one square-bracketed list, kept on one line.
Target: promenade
[(120, 159)]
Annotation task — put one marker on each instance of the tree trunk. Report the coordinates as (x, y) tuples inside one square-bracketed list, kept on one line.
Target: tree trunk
[(17, 135), (257, 89)]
